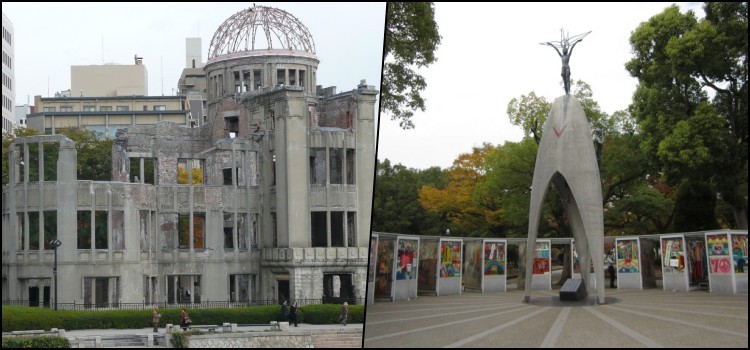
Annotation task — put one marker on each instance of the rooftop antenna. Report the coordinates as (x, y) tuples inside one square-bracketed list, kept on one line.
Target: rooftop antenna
[(102, 48), (161, 68)]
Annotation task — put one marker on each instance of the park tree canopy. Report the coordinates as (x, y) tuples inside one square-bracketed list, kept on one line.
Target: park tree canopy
[(691, 99)]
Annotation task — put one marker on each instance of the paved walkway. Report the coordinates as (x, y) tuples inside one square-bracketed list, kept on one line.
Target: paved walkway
[(649, 318), (142, 331)]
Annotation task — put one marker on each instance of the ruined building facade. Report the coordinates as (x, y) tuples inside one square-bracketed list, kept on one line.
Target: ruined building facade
[(267, 198)]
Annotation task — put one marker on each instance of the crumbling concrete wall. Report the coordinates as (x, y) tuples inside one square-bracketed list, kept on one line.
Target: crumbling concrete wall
[(336, 112)]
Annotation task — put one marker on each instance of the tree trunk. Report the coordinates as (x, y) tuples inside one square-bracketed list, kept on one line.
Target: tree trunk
[(740, 217)]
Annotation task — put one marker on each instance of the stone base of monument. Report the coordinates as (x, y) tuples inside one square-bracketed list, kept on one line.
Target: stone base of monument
[(573, 290)]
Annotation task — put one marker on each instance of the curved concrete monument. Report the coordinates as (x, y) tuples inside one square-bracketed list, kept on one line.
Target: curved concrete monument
[(566, 158)]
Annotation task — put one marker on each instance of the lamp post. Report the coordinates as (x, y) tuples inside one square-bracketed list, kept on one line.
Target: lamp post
[(55, 243), (447, 232)]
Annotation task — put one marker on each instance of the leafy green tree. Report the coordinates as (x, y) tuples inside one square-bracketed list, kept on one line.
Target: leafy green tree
[(411, 38), (470, 212), (530, 111), (94, 154), (396, 207), (687, 134)]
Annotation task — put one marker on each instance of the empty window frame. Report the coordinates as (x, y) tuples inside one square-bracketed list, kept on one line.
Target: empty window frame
[(281, 76), (21, 233), (228, 230), (336, 165), (142, 170), (232, 126), (183, 229), (160, 107), (150, 289), (245, 81), (319, 228), (241, 288), (50, 152), (84, 229), (317, 166), (50, 228), (189, 171), (33, 161), (337, 229), (351, 228), (101, 221), (66, 109), (350, 166), (293, 77), (118, 229), (123, 108), (237, 82), (301, 78), (33, 230), (145, 227), (100, 291), (257, 79), (184, 289)]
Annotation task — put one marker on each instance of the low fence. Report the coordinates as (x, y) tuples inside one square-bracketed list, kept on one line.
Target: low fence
[(165, 305)]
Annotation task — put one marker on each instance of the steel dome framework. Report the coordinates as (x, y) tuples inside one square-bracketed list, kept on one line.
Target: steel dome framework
[(280, 28)]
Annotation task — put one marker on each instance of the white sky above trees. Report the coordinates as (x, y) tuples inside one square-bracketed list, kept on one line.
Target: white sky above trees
[(490, 54)]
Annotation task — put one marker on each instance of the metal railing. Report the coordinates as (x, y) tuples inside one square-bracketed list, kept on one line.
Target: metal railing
[(175, 305)]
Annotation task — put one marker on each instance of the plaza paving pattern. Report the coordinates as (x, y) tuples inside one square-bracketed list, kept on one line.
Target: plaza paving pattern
[(629, 319)]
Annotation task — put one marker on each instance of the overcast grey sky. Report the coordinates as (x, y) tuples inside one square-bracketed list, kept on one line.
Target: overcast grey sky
[(490, 54), (51, 37)]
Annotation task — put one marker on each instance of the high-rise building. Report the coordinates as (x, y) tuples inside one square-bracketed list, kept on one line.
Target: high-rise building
[(9, 82)]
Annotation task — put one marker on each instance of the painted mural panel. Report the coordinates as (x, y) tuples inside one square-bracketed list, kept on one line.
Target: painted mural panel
[(541, 258), (384, 277), (406, 268), (373, 259), (627, 256), (718, 254), (427, 276), (673, 254), (473, 269), (739, 253), (450, 259), (494, 259)]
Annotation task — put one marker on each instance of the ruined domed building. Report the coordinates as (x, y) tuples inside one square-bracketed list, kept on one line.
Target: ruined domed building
[(266, 197)]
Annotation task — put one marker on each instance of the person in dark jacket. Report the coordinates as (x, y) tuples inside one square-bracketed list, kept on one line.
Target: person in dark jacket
[(293, 314), (284, 310)]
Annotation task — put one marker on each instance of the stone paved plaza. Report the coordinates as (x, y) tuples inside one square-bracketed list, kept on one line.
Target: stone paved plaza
[(648, 318)]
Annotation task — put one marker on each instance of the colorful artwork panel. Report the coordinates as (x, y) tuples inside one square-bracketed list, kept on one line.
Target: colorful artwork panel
[(406, 267), (718, 245), (673, 256), (494, 259), (627, 256), (384, 270), (720, 265), (541, 266), (450, 259), (739, 253)]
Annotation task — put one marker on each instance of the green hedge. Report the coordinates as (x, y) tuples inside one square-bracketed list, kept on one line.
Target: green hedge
[(330, 313), (17, 318), (35, 341)]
